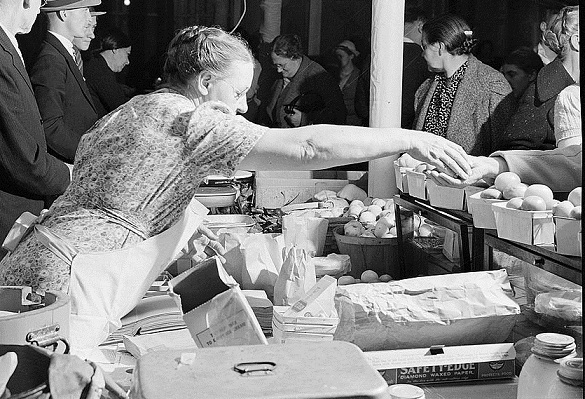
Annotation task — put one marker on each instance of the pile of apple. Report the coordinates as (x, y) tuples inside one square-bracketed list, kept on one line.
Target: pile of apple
[(376, 219), (570, 208), (368, 276), (507, 186)]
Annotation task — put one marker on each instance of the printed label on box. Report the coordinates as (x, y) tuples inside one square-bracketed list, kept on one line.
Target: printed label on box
[(450, 372), (224, 330)]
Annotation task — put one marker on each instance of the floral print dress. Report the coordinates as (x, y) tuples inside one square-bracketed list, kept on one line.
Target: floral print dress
[(135, 172)]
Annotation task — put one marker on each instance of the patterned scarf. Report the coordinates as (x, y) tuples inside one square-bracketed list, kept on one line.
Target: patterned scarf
[(439, 111)]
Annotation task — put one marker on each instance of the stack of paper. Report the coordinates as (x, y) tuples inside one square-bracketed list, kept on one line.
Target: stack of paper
[(153, 314), (140, 345), (311, 318), (262, 307)]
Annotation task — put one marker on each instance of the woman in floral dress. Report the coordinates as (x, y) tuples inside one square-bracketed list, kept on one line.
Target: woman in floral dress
[(136, 170)]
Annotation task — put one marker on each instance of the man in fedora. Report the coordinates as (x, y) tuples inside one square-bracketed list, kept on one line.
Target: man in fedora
[(28, 174), (62, 95)]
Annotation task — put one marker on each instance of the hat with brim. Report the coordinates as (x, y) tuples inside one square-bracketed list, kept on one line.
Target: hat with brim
[(95, 13), (58, 5)]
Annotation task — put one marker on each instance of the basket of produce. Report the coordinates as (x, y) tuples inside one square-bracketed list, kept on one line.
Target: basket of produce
[(369, 253)]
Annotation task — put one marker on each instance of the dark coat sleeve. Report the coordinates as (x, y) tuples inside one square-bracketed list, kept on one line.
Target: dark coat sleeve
[(48, 76), (106, 92), (334, 111), (25, 167)]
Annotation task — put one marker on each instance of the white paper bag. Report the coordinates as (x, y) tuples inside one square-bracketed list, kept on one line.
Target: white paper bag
[(305, 232), (253, 259), (296, 277)]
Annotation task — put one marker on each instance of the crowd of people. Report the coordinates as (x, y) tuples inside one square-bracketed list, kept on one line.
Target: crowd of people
[(118, 172)]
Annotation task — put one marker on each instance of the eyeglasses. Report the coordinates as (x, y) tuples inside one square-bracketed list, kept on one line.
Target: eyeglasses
[(43, 3), (237, 94)]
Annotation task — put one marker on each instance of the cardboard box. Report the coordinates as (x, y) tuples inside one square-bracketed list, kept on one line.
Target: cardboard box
[(445, 364), (400, 175), (482, 212), (417, 184), (445, 197), (567, 232), (527, 227), (214, 307), (469, 191), (274, 193)]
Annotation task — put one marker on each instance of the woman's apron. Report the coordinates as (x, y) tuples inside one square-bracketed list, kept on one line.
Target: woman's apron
[(105, 286)]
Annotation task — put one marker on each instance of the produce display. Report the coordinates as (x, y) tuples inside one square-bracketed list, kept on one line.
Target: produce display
[(374, 218), (571, 208), (368, 276)]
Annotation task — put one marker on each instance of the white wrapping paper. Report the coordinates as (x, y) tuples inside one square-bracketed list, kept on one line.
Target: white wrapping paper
[(453, 309)]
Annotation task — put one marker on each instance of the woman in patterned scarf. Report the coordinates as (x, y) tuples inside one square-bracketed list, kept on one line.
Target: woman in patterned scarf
[(466, 101)]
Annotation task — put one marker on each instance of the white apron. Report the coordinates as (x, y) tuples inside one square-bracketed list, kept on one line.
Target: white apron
[(105, 286)]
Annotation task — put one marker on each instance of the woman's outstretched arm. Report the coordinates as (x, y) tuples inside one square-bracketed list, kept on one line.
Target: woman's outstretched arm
[(325, 146)]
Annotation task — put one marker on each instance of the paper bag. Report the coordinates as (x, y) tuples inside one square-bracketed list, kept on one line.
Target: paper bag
[(253, 260), (305, 232), (453, 309), (296, 277)]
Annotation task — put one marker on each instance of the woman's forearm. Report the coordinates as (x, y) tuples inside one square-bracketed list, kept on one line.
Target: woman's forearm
[(325, 146)]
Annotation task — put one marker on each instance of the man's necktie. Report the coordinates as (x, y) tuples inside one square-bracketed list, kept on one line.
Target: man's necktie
[(78, 59)]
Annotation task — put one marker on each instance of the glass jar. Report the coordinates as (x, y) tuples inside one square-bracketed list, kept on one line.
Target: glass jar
[(539, 377)]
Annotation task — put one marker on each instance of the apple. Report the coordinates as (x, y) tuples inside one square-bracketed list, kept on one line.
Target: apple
[(551, 204), (367, 217), (533, 203), (379, 202), (388, 220), (375, 209), (515, 203), (385, 278), (563, 208), (576, 212), (345, 280), (514, 191), (368, 201), (539, 190), (389, 204), (368, 234), (491, 193), (506, 179), (369, 276), (353, 228), (575, 196), (354, 211), (425, 230), (381, 229), (357, 202)]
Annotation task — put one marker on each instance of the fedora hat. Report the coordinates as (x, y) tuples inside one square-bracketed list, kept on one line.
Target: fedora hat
[(58, 5), (95, 13)]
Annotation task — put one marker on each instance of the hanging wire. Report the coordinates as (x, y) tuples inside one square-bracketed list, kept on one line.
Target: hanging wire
[(240, 20)]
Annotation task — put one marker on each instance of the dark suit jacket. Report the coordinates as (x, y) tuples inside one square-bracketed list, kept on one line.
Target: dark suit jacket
[(107, 94), (27, 173), (63, 98), (310, 77), (532, 126)]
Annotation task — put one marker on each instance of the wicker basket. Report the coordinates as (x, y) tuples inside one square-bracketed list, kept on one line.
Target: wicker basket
[(330, 242), (378, 254)]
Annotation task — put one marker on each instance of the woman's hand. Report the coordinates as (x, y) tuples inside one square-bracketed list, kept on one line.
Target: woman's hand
[(447, 156), (206, 244), (483, 168)]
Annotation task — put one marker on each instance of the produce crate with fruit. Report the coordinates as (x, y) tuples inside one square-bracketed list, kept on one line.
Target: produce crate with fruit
[(417, 183), (567, 218), (524, 226)]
